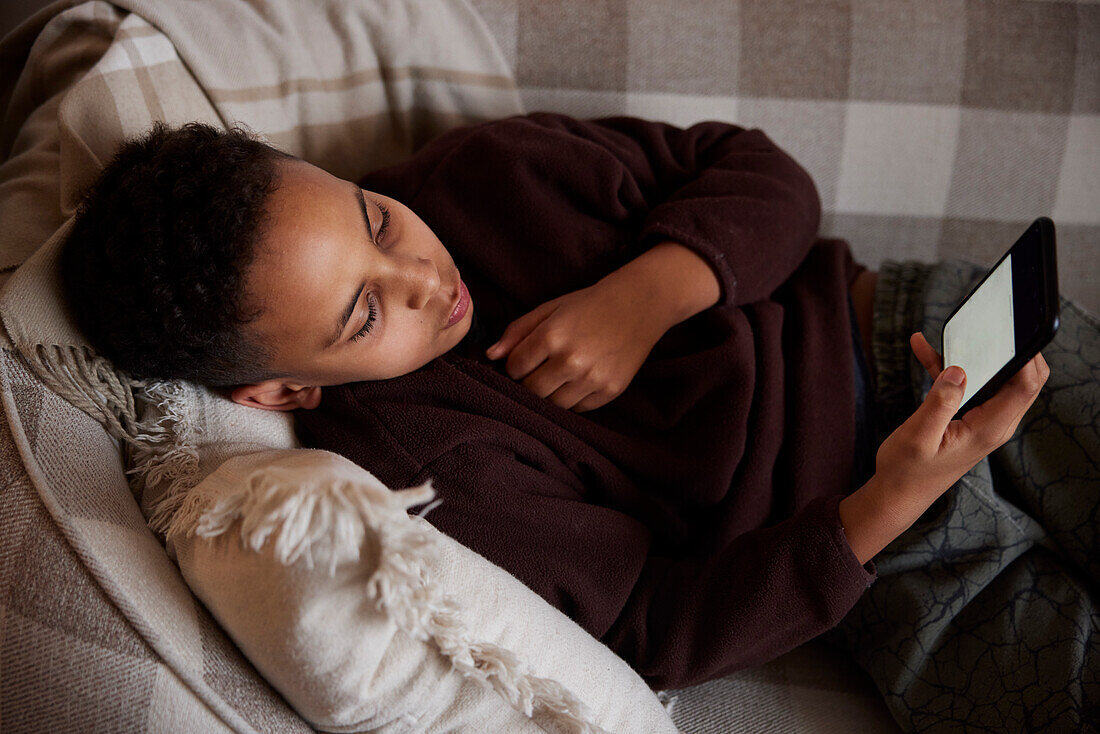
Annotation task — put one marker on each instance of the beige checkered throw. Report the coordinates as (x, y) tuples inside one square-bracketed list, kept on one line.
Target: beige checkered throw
[(97, 630), (933, 129)]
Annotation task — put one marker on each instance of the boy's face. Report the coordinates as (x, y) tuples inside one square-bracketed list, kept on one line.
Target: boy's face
[(321, 267)]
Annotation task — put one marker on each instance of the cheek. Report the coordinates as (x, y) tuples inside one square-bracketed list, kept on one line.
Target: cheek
[(410, 344)]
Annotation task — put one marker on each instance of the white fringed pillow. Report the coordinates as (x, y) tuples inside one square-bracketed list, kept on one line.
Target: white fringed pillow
[(368, 619), (410, 631)]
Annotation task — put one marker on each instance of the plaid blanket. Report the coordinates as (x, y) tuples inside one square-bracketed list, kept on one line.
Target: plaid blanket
[(933, 130), (347, 86), (98, 631)]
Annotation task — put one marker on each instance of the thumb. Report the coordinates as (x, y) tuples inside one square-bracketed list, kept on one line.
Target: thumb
[(508, 339), (515, 332), (511, 336), (940, 405)]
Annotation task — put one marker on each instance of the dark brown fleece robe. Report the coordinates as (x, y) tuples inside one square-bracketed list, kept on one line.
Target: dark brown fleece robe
[(691, 524)]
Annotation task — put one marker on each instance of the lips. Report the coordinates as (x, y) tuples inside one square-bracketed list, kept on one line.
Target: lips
[(462, 305)]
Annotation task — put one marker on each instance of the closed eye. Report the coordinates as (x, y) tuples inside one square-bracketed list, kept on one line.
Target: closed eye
[(372, 314), (381, 234)]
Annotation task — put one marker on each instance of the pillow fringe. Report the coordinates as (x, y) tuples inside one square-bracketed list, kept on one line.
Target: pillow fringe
[(324, 525), (327, 525), (147, 417)]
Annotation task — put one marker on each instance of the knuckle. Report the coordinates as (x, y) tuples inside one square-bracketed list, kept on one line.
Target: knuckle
[(1033, 382), (604, 382), (991, 437), (598, 377), (608, 390), (985, 434), (574, 362), (1040, 379), (554, 338), (514, 366)]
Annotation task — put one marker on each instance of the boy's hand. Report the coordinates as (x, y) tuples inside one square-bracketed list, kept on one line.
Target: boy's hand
[(930, 451), (582, 350)]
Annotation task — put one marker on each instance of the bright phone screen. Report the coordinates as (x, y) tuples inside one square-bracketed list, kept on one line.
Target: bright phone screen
[(981, 336)]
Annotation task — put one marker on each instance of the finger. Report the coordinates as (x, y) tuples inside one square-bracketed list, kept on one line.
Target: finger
[(1044, 368), (528, 353), (593, 401), (995, 420), (927, 356), (526, 357), (513, 334), (571, 394), (931, 418), (545, 379), (1031, 378), (517, 331)]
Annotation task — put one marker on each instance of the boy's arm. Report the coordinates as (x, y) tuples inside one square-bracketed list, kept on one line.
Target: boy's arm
[(676, 620), (679, 614), (729, 194), (728, 217), (581, 350), (679, 281)]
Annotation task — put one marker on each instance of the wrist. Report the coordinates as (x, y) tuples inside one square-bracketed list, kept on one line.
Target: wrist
[(676, 281), (872, 517)]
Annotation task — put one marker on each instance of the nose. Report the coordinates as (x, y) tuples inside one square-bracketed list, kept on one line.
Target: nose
[(416, 280)]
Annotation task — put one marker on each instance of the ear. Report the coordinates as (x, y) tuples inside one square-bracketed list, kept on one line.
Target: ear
[(277, 395)]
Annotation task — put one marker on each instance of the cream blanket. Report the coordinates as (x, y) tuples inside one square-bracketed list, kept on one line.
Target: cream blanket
[(353, 87), (347, 86), (345, 94)]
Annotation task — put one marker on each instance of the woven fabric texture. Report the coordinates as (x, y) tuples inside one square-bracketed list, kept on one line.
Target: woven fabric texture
[(933, 130)]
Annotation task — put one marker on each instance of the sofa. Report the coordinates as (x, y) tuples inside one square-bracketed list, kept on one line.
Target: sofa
[(932, 130)]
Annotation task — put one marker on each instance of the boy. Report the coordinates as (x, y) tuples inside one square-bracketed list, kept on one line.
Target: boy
[(664, 441)]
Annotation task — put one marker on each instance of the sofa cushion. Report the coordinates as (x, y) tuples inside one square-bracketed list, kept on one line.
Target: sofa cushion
[(932, 130), (362, 615), (100, 633), (404, 71)]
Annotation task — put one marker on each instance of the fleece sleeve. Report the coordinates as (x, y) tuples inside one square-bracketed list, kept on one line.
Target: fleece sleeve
[(677, 621), (728, 193), (536, 512), (767, 592)]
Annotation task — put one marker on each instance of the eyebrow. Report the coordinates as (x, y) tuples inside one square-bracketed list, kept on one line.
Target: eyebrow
[(350, 308)]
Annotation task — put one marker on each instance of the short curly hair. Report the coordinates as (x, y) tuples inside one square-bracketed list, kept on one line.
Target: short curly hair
[(153, 268)]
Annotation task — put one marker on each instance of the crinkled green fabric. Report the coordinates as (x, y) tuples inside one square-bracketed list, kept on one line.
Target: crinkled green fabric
[(986, 612)]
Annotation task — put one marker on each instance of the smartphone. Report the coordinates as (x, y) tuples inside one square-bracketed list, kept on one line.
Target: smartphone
[(1007, 318)]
